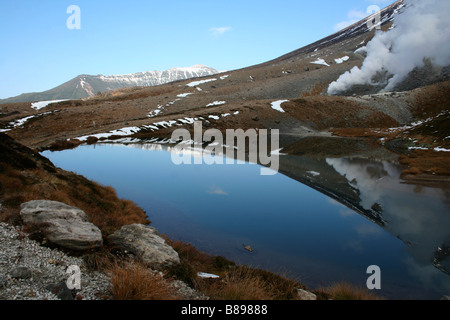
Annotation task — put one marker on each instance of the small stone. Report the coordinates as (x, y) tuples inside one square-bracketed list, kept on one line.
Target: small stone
[(3, 281), (248, 248), (306, 295), (21, 273), (61, 291)]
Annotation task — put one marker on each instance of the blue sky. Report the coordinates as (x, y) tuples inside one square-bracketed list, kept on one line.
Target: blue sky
[(40, 52)]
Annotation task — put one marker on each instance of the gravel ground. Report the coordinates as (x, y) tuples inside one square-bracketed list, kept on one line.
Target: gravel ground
[(29, 271)]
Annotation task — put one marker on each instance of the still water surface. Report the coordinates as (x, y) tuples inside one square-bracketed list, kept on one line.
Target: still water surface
[(293, 228)]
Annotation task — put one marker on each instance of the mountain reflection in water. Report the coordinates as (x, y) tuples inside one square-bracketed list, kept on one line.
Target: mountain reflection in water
[(363, 215)]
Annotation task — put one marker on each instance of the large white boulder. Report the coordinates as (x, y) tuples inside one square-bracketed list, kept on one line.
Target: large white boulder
[(146, 243), (62, 224)]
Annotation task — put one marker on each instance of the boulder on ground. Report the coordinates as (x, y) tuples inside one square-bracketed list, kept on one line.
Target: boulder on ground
[(146, 243), (305, 295), (62, 224)]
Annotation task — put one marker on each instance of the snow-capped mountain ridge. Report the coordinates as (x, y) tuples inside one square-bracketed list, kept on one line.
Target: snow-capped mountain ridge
[(151, 78), (84, 86)]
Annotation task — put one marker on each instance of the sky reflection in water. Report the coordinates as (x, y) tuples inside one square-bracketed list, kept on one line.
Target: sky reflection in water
[(293, 228)]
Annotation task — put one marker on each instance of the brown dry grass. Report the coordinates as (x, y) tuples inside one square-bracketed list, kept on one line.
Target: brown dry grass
[(133, 281), (316, 90), (245, 283), (240, 285), (346, 291), (426, 162), (328, 112), (134, 93), (100, 203), (431, 100), (235, 283)]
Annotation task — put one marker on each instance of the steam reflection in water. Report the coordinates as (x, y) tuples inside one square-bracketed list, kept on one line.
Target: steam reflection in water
[(292, 227)]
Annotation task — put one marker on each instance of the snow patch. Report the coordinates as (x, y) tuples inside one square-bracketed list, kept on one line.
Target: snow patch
[(216, 103), (197, 83), (42, 104), (438, 149), (154, 113), (153, 127), (20, 122), (120, 132), (183, 95), (277, 105), (277, 152), (321, 61), (207, 275), (341, 60)]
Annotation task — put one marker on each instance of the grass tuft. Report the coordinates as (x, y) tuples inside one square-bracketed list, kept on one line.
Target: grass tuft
[(135, 282), (346, 291)]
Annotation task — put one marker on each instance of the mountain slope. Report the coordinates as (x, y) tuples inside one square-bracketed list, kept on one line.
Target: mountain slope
[(359, 28), (84, 86)]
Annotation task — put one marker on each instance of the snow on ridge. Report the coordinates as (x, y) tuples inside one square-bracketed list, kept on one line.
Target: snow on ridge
[(120, 132), (184, 95), (439, 149), (341, 60), (20, 122), (154, 113), (196, 69), (153, 127), (321, 61), (42, 104), (216, 103), (151, 78), (196, 83), (276, 105)]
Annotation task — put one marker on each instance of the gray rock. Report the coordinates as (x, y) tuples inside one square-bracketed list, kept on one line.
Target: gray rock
[(306, 295), (62, 224), (61, 291), (146, 243), (21, 273), (3, 281)]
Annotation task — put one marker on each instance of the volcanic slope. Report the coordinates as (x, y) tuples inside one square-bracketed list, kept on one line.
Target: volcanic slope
[(287, 93)]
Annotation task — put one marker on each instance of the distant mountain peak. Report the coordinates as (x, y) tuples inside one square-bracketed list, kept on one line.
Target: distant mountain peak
[(84, 85)]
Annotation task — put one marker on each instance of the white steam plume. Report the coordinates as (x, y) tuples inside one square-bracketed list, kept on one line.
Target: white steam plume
[(421, 32)]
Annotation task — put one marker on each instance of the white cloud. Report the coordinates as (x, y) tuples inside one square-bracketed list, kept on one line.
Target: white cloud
[(353, 17), (218, 31), (217, 191)]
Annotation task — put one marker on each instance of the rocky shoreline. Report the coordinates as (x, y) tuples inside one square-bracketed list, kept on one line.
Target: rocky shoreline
[(30, 270), (46, 270), (52, 220)]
